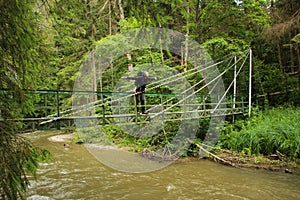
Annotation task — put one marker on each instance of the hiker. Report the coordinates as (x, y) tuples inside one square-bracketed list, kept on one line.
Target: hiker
[(141, 80)]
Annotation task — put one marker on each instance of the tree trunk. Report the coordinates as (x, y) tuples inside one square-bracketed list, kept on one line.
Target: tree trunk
[(298, 55), (109, 18), (291, 54), (161, 47), (279, 57), (93, 30), (122, 16), (186, 53), (198, 25)]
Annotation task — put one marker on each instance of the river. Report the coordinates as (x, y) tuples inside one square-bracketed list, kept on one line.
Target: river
[(73, 173)]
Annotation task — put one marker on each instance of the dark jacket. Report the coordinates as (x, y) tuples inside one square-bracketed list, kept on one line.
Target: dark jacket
[(141, 82)]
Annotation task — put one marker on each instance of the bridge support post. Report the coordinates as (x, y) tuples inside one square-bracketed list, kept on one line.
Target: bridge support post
[(103, 115), (234, 83), (135, 109), (250, 83), (57, 110), (234, 87)]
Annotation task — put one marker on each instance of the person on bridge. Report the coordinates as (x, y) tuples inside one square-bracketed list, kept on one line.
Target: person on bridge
[(141, 81)]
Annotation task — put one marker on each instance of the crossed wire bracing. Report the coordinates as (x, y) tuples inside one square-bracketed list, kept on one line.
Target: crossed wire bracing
[(209, 68)]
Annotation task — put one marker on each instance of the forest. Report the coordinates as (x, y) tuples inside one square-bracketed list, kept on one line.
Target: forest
[(45, 42)]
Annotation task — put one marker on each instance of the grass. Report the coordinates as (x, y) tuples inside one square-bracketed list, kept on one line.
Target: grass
[(268, 132)]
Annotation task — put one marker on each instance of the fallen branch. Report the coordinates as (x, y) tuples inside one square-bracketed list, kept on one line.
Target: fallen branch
[(216, 158)]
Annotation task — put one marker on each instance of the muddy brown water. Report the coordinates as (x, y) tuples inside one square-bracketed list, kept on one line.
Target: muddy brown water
[(73, 173)]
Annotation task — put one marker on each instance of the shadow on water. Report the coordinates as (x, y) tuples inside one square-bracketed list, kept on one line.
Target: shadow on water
[(73, 173)]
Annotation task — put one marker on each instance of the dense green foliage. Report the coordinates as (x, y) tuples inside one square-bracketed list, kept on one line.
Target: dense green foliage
[(44, 43), (223, 27), (18, 158), (21, 57), (72, 29), (266, 133)]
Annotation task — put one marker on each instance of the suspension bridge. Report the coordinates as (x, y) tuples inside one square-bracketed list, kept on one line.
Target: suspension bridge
[(189, 101)]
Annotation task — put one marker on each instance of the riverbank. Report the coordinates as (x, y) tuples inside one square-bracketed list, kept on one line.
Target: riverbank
[(270, 140), (274, 162)]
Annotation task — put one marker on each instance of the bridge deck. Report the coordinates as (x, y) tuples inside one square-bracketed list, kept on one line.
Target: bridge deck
[(32, 124)]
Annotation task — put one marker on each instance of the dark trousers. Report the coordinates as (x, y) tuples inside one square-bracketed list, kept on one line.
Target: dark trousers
[(140, 99)]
